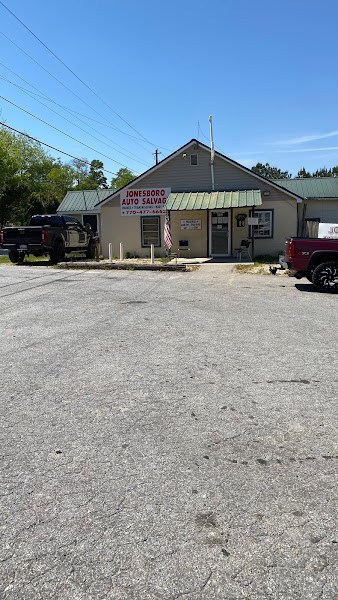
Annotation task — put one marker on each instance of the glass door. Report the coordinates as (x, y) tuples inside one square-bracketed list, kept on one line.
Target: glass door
[(220, 233)]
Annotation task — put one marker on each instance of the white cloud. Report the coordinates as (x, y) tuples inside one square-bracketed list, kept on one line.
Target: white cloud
[(306, 138), (319, 149)]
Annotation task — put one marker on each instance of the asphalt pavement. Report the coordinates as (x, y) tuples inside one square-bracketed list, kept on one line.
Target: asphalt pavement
[(167, 436)]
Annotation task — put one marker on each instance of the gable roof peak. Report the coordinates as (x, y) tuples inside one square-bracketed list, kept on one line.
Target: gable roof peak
[(218, 154)]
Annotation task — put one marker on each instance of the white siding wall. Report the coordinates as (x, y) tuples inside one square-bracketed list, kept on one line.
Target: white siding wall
[(325, 210), (180, 176)]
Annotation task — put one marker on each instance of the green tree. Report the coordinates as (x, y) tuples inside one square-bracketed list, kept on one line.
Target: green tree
[(60, 178), (323, 172), (302, 173), (96, 173), (93, 178), (31, 181), (9, 176), (17, 159), (123, 177), (270, 172), (80, 167)]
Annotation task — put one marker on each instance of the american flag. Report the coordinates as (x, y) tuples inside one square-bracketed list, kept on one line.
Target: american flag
[(167, 232)]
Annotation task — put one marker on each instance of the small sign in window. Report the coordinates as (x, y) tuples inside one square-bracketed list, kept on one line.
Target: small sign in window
[(191, 224)]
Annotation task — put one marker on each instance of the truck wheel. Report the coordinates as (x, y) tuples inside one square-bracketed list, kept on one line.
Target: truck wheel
[(14, 256), (91, 251), (325, 277), (58, 253)]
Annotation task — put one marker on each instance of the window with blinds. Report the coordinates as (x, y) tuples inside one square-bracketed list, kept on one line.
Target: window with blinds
[(150, 231)]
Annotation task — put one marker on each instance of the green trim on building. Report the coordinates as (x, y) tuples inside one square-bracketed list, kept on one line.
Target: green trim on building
[(213, 200)]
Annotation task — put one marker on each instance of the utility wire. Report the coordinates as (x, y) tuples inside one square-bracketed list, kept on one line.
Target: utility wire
[(22, 79), (68, 109), (208, 140), (73, 73), (66, 87), (205, 137), (85, 162), (63, 132), (31, 95)]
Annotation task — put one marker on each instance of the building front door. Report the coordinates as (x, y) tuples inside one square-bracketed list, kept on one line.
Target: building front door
[(220, 242)]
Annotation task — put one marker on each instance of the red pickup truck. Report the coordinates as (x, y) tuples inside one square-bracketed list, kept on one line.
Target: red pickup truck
[(314, 258)]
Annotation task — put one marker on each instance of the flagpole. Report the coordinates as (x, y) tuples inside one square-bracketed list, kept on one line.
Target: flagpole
[(168, 242), (212, 155)]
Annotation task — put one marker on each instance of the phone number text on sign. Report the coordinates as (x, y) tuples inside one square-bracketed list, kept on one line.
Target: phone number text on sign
[(149, 201)]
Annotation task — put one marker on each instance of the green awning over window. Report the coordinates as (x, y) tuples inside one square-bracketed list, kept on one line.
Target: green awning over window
[(213, 200)]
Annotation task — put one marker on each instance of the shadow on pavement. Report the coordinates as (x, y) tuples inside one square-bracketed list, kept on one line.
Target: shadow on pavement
[(44, 263), (308, 287), (34, 263)]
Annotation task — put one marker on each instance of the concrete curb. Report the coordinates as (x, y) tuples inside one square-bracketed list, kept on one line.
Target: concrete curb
[(120, 266)]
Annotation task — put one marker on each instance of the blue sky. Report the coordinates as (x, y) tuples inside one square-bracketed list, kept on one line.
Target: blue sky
[(265, 70)]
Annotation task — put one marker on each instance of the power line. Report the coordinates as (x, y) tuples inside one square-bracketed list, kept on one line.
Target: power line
[(63, 132), (208, 140), (73, 73), (67, 88), (31, 95), (85, 162), (205, 137), (68, 109), (22, 79)]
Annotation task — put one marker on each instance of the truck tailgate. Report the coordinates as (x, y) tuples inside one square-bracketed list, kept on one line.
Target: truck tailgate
[(22, 235)]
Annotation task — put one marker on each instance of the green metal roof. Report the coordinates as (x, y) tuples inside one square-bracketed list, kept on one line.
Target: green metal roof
[(213, 200), (311, 187), (83, 200)]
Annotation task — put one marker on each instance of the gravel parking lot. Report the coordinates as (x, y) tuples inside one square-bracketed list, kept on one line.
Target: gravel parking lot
[(166, 436)]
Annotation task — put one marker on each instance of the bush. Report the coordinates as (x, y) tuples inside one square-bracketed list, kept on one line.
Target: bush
[(131, 255)]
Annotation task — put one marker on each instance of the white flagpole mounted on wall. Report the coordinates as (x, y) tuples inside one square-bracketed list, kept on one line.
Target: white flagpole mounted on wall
[(212, 155)]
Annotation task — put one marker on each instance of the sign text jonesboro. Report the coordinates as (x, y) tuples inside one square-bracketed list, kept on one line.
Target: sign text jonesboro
[(148, 201)]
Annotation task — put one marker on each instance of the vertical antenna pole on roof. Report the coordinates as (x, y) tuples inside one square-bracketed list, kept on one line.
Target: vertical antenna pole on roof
[(84, 199), (212, 155)]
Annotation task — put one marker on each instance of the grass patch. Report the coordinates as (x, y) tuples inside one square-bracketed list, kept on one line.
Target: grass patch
[(32, 258), (29, 259), (260, 265), (4, 260)]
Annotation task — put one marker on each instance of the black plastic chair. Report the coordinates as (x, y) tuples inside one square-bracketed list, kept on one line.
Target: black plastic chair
[(244, 250)]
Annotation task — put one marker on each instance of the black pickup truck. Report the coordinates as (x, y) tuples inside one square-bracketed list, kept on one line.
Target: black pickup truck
[(52, 235)]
